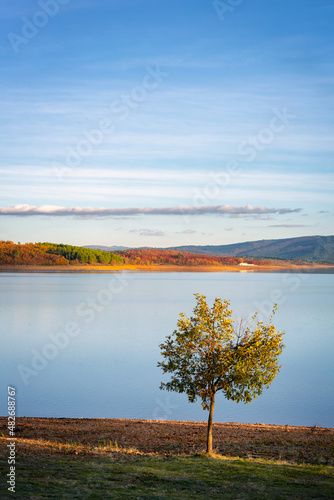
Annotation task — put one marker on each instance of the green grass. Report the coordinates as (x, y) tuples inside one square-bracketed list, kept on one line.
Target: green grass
[(180, 477)]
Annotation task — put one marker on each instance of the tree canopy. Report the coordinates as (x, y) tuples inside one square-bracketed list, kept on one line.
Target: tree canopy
[(207, 353), (53, 254), (63, 254)]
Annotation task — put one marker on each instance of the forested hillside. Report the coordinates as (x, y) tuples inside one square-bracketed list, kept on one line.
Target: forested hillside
[(311, 248), (50, 254), (149, 256), (28, 254), (82, 255), (54, 254)]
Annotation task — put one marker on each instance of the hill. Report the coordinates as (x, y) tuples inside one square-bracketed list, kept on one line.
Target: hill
[(113, 248), (154, 256), (298, 251), (310, 248), (53, 254)]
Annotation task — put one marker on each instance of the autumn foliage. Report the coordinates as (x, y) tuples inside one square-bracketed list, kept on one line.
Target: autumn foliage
[(28, 254), (149, 256), (51, 254), (82, 255), (207, 354)]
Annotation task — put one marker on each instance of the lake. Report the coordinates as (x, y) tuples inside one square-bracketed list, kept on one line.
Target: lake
[(87, 344)]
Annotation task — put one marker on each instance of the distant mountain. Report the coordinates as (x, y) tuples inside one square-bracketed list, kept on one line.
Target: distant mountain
[(313, 248), (113, 248)]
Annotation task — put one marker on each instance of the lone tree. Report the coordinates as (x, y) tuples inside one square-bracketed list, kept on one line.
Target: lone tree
[(207, 354)]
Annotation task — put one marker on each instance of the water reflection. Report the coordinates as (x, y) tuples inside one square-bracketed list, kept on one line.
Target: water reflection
[(108, 368)]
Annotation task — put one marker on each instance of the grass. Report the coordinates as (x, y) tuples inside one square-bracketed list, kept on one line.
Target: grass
[(121, 475), (118, 458)]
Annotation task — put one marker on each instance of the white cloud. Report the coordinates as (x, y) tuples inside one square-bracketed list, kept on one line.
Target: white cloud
[(51, 210)]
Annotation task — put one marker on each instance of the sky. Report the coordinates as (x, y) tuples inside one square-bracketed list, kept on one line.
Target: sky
[(162, 123)]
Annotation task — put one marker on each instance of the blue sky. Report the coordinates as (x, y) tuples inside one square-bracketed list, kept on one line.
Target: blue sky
[(158, 123)]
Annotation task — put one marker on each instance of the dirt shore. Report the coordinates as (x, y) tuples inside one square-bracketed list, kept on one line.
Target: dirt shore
[(88, 268), (79, 437)]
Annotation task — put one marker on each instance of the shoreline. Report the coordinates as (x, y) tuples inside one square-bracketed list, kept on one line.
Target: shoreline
[(164, 268)]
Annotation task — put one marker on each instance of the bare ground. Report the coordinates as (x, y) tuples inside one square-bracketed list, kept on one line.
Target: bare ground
[(87, 268), (78, 437)]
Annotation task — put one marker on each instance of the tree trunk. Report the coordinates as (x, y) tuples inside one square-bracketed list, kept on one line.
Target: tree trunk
[(209, 434)]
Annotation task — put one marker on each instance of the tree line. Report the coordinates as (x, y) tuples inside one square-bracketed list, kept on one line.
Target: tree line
[(51, 254), (62, 254), (82, 255), (147, 256)]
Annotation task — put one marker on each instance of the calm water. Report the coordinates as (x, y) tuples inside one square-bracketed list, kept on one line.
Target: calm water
[(86, 345)]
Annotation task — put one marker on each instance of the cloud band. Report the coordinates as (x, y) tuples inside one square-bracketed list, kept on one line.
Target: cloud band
[(55, 211)]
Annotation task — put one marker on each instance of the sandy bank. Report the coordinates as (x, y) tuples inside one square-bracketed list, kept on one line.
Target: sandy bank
[(88, 268)]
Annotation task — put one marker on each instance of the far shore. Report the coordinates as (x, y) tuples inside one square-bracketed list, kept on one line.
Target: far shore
[(88, 268)]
